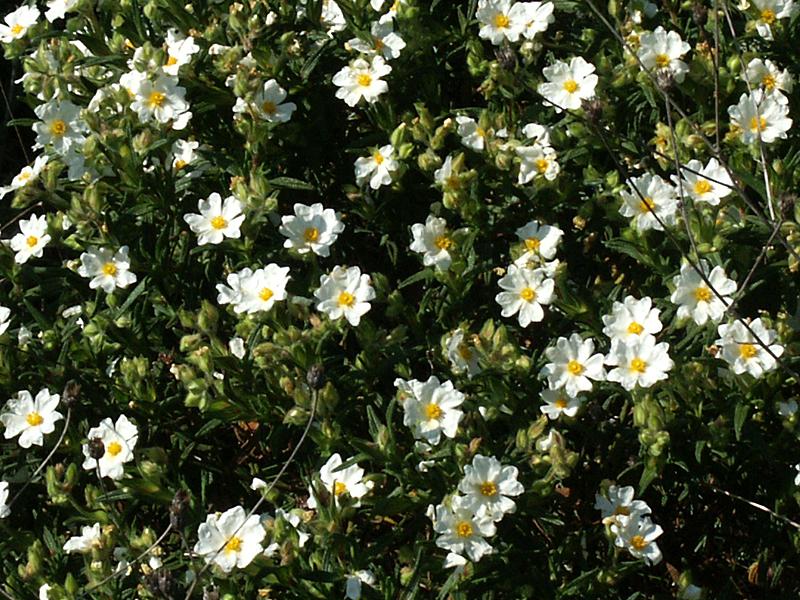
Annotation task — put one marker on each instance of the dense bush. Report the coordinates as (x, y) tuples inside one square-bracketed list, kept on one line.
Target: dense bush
[(478, 299)]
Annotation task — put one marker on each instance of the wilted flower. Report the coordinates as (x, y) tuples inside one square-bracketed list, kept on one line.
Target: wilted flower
[(25, 176), (180, 49)]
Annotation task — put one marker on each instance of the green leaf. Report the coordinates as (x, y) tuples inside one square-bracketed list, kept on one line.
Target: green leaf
[(290, 183), (739, 417)]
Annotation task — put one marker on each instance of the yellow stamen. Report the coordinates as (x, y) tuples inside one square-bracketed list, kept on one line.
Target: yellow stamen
[(561, 403), (464, 529), (110, 269), (172, 61), (58, 127), (156, 99), (234, 545), (31, 240), (346, 299), (638, 543), (768, 81), (575, 368), (464, 352), (433, 411), (638, 365), (488, 488), (571, 86), (647, 205), (768, 16), (501, 21), (378, 158), (702, 294), (311, 234), (443, 242), (265, 294), (180, 163), (542, 164), (747, 351), (339, 488), (34, 419), (527, 294), (269, 107), (364, 80), (702, 186), (114, 448), (219, 222), (533, 244), (662, 61), (17, 29), (759, 124), (635, 328)]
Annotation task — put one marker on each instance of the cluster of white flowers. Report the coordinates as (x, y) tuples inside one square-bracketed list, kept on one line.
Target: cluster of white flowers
[(464, 521), (629, 523), (504, 20)]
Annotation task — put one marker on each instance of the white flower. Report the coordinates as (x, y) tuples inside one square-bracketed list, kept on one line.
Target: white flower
[(760, 115), (394, 7), (83, 543), (161, 100), (537, 161), (31, 239), (694, 297), (361, 79), (568, 84), (472, 135), (796, 477), (431, 408), (30, 418), (338, 482), (260, 289), (346, 292), (119, 439), (661, 50), (445, 177), (631, 319), (5, 314), (233, 292), (741, 350), (767, 75), (332, 17), (636, 535), (217, 220), (461, 354), (461, 531), (354, 581), (619, 502), (500, 20), (705, 184), (433, 241), (572, 365), (25, 176), (17, 23), (650, 198), (377, 167), (525, 292), (640, 361), (540, 240), (60, 126), (231, 539), (44, 591), (236, 347), (770, 11), (558, 402), (4, 510), (537, 16), (266, 104), (311, 229), (183, 153), (384, 41), (106, 268), (180, 49), (487, 485), (538, 133)]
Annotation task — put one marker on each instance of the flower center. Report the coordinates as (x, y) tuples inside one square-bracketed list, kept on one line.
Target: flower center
[(269, 107), (533, 244), (453, 182), (635, 328), (561, 403), (25, 175), (109, 269), (542, 164), (31, 240), (464, 529), (638, 542), (156, 99), (443, 242), (758, 124), (702, 294), (114, 448), (17, 29), (647, 205), (768, 81), (34, 419), (571, 86), (346, 299), (378, 158), (58, 127), (364, 80), (219, 222), (768, 16), (480, 132), (662, 61), (574, 367), (311, 234), (378, 43), (702, 187), (527, 294), (464, 352), (234, 545), (339, 488), (638, 365), (488, 488), (501, 21), (265, 294), (180, 163), (747, 351), (172, 61), (433, 411)]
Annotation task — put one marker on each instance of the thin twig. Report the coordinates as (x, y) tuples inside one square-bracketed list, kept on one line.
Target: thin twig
[(16, 129), (754, 505)]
